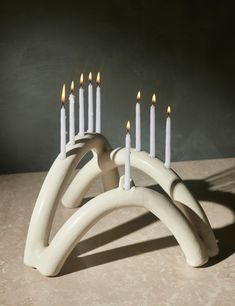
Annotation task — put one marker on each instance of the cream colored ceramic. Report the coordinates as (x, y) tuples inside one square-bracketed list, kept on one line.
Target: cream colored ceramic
[(186, 220)]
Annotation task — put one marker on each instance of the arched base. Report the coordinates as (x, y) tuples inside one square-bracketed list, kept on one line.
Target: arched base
[(170, 182), (191, 229), (51, 259)]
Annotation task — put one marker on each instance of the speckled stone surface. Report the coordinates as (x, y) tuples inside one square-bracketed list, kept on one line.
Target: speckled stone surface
[(129, 257)]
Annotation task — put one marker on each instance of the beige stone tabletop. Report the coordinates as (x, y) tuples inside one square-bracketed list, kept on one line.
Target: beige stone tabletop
[(127, 258)]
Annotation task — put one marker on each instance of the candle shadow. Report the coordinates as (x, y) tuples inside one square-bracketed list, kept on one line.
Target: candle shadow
[(75, 263), (217, 189)]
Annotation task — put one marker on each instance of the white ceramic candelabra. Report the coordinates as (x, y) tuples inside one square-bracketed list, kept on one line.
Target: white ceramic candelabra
[(178, 209)]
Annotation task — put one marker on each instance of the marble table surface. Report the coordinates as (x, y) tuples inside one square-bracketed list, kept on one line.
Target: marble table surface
[(127, 258)]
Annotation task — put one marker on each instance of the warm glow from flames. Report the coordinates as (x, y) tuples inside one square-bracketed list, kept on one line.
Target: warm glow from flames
[(154, 99), (81, 79), (72, 86), (63, 94), (168, 110), (90, 77), (138, 96), (98, 78), (128, 126)]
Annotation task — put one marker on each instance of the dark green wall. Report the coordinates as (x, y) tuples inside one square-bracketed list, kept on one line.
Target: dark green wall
[(182, 50)]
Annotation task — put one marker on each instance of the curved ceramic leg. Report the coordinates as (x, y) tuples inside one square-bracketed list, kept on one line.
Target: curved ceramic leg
[(52, 190), (76, 191), (166, 178), (175, 188), (50, 260)]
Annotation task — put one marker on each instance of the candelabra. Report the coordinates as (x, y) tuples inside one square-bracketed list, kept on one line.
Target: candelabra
[(177, 208)]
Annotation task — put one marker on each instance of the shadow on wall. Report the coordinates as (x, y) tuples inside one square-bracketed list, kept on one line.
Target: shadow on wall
[(218, 188)]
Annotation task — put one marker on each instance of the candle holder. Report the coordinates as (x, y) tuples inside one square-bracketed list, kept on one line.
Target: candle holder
[(178, 209)]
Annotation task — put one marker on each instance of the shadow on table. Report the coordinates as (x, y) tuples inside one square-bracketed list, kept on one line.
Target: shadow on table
[(216, 189)]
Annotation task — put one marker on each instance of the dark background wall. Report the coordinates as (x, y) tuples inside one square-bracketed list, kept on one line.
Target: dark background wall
[(182, 50)]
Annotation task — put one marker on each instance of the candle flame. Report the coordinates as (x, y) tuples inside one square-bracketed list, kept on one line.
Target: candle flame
[(154, 99), (90, 77), (128, 126), (63, 95), (98, 78), (168, 110), (81, 79), (138, 96), (72, 86)]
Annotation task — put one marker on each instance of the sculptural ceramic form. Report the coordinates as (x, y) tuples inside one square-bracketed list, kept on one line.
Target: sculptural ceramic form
[(178, 209)]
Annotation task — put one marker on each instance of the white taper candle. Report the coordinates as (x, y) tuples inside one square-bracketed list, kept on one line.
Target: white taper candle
[(63, 126), (81, 108), (98, 105), (152, 127), (127, 158), (168, 139), (71, 116), (90, 106), (138, 124)]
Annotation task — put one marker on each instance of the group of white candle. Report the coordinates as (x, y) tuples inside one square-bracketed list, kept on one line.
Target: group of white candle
[(152, 150), (81, 113)]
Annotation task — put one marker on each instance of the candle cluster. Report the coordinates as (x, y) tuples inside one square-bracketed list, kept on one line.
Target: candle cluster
[(152, 151), (97, 129), (81, 112)]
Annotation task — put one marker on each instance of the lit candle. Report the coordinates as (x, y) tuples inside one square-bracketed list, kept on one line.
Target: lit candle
[(127, 157), (81, 107), (138, 124), (90, 105), (98, 105), (152, 127), (62, 126), (168, 139), (71, 116)]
